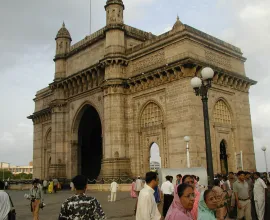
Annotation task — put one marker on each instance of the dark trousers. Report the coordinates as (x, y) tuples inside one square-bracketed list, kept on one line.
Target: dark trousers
[(168, 199)]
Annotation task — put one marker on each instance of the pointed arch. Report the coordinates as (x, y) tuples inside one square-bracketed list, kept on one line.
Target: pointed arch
[(151, 115), (222, 112)]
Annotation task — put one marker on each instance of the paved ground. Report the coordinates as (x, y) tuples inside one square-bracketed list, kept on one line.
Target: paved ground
[(121, 209)]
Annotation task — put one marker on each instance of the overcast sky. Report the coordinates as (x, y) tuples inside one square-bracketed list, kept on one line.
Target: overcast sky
[(27, 44)]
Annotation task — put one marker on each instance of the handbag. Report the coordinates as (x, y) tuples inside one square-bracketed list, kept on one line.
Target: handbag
[(12, 212)]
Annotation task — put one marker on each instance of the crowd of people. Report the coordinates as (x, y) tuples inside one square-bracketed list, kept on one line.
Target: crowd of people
[(236, 196)]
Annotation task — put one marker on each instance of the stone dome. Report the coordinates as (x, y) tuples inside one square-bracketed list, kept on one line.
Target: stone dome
[(109, 2), (63, 33)]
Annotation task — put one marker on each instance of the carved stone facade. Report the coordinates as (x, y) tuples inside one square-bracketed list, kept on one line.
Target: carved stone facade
[(139, 87)]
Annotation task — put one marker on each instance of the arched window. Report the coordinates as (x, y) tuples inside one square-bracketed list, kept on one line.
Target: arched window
[(222, 113), (151, 116)]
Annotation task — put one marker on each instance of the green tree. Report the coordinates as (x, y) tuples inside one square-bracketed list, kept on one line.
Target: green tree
[(5, 174)]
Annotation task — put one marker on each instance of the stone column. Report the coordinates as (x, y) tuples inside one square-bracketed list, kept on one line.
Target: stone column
[(115, 162), (59, 143)]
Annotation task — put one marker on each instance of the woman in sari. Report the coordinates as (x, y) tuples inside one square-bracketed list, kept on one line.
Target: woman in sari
[(207, 205), (188, 179), (182, 203), (132, 191), (50, 188), (222, 200)]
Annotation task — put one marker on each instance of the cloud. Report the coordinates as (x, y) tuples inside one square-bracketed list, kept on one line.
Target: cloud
[(7, 138)]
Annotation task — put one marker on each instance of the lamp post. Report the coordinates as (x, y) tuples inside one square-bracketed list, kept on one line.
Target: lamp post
[(201, 87), (264, 150), (187, 139)]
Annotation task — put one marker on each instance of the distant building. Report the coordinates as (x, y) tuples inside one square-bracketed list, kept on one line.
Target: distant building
[(17, 169), (154, 165), (4, 165)]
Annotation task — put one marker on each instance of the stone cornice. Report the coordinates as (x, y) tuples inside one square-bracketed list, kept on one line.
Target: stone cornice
[(41, 116), (186, 68)]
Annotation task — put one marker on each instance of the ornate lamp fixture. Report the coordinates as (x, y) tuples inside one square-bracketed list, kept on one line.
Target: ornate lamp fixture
[(201, 87)]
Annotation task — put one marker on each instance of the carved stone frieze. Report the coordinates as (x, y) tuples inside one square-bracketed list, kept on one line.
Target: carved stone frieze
[(218, 59), (148, 61), (170, 73)]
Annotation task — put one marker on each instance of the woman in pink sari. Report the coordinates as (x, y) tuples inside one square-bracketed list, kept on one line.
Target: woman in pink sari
[(188, 179), (182, 203), (132, 191)]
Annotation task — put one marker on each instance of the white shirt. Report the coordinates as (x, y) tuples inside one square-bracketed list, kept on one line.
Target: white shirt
[(146, 206), (45, 183), (4, 205), (138, 185), (259, 189), (167, 188), (114, 187)]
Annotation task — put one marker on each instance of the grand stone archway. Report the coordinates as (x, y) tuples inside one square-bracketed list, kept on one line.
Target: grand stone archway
[(89, 143)]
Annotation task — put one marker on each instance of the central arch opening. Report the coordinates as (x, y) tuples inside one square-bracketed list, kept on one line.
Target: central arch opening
[(90, 143)]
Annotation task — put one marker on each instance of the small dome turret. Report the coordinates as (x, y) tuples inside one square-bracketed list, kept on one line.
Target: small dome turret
[(63, 33), (178, 23)]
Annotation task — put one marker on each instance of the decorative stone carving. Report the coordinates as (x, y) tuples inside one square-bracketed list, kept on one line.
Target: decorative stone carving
[(218, 59), (146, 62)]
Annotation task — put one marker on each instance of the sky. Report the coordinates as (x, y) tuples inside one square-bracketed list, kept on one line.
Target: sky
[(28, 29)]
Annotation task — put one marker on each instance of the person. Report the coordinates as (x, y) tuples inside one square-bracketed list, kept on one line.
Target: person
[(167, 189), (241, 192), (132, 191), (71, 186), (45, 186), (171, 179), (221, 197), (5, 205), (113, 190), (182, 204), (50, 188), (55, 185), (260, 195), (250, 183), (178, 179), (220, 178), (157, 195), (36, 196), (6, 185), (81, 206), (266, 179), (138, 185), (188, 179), (147, 207), (207, 205), (228, 186)]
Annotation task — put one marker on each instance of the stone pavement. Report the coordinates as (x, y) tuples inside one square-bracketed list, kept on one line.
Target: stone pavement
[(121, 209)]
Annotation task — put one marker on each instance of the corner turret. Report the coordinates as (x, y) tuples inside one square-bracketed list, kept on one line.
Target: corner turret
[(63, 42)]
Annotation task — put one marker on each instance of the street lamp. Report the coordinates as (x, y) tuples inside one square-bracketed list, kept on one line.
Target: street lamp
[(187, 139), (201, 87), (264, 150)]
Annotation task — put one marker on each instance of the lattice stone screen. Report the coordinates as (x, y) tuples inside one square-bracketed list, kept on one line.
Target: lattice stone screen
[(151, 116), (222, 113)]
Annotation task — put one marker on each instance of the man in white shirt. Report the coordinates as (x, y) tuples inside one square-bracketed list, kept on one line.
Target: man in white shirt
[(167, 189), (5, 206), (147, 207), (138, 185), (114, 187), (260, 194)]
